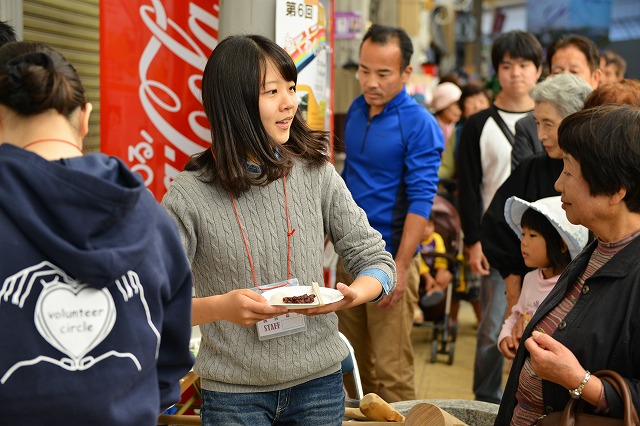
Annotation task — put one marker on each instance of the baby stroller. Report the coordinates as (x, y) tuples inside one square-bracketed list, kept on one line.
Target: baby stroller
[(436, 310)]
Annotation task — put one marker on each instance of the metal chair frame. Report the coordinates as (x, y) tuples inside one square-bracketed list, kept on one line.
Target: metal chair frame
[(351, 359)]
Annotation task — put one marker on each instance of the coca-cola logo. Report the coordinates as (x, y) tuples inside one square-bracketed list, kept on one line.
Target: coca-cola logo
[(178, 120)]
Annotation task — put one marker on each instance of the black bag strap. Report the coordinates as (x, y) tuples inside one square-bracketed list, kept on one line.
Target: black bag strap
[(503, 126)]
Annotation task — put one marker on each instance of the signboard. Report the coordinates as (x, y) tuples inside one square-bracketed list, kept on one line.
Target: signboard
[(152, 55), (301, 29), (348, 25)]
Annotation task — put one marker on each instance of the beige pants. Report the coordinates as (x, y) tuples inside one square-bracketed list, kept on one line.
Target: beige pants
[(382, 340)]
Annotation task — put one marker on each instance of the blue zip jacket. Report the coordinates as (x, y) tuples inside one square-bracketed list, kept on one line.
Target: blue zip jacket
[(392, 163)]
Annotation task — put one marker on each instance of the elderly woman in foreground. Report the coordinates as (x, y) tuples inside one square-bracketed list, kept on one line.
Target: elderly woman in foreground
[(589, 320)]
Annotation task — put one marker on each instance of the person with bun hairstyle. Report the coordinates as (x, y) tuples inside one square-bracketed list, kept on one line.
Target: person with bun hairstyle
[(95, 288)]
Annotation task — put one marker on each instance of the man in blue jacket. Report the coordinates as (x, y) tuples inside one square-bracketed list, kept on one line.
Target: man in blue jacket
[(393, 148)]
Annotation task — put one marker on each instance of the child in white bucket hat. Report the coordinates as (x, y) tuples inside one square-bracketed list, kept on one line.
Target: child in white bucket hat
[(548, 242)]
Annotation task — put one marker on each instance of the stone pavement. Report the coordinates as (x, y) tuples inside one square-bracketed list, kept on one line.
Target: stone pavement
[(440, 380)]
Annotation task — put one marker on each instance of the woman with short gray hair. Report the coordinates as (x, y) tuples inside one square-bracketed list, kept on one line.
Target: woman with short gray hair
[(565, 92), (555, 98)]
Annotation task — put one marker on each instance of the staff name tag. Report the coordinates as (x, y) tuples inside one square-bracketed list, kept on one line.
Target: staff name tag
[(282, 325)]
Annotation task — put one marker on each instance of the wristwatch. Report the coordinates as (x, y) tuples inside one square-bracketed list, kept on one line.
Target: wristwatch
[(577, 392)]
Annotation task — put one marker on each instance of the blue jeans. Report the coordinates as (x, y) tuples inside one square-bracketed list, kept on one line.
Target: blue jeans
[(487, 370), (318, 402)]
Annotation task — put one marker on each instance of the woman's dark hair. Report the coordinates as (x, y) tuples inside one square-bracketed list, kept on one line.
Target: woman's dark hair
[(7, 33), (35, 78), (382, 34), (558, 259), (605, 141), (518, 44), (469, 90), (231, 85), (582, 43)]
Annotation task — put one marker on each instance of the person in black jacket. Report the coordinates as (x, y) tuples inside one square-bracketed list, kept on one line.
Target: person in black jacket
[(484, 163), (555, 98), (589, 321)]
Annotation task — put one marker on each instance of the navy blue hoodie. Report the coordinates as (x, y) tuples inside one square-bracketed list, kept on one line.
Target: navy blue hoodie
[(95, 294)]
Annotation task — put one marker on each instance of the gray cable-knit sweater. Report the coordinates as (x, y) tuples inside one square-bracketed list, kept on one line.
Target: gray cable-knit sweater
[(231, 358)]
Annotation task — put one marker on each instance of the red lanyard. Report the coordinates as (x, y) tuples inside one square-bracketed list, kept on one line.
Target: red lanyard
[(289, 233)]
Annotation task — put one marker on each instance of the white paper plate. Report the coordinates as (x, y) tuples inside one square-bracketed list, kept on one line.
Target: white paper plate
[(274, 296)]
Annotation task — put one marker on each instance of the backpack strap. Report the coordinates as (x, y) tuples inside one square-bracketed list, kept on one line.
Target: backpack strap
[(503, 126)]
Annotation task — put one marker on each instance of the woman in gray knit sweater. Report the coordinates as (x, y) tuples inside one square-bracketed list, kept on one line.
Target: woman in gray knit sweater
[(254, 210)]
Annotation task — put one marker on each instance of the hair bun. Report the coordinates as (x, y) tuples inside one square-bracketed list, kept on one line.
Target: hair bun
[(30, 82), (35, 78), (15, 69), (31, 58)]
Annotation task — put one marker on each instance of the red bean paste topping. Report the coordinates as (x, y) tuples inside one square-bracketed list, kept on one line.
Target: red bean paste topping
[(303, 298)]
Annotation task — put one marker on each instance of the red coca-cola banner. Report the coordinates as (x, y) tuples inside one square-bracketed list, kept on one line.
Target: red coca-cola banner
[(152, 55)]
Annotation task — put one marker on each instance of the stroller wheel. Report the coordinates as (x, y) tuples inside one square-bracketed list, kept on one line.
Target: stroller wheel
[(453, 331), (452, 346)]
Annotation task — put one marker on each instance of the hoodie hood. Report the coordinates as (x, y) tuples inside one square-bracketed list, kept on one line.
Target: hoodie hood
[(90, 215)]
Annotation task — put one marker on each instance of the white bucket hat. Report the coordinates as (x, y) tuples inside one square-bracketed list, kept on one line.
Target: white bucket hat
[(574, 236)]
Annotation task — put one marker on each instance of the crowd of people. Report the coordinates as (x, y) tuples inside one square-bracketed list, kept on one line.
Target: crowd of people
[(549, 218), (506, 153), (106, 283)]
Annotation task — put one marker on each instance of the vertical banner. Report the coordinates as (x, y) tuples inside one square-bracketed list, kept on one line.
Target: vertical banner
[(152, 55), (302, 29)]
